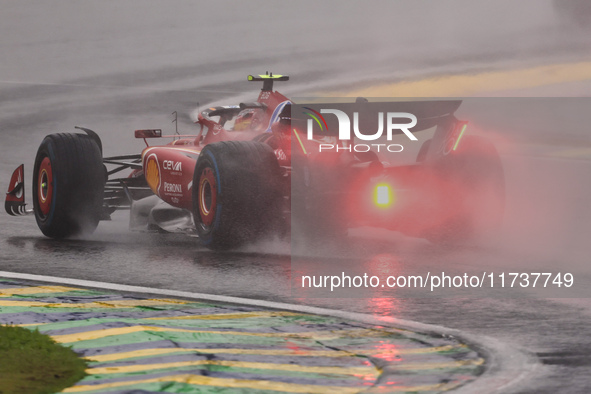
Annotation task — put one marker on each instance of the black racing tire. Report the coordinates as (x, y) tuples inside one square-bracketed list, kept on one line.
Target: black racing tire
[(475, 194), (68, 185), (237, 193)]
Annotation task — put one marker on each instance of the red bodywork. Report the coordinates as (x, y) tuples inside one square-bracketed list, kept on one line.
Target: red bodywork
[(169, 168)]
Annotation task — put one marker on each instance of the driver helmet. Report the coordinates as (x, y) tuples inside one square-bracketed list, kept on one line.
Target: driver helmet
[(245, 120)]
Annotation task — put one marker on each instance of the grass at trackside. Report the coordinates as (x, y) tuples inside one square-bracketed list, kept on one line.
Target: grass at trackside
[(31, 362)]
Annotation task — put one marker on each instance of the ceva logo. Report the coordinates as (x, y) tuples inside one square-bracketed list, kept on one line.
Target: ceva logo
[(392, 123), (172, 166)]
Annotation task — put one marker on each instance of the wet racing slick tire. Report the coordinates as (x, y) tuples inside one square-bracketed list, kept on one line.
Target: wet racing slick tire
[(68, 185), (473, 201), (236, 193)]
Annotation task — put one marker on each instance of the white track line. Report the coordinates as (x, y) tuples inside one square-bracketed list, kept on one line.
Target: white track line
[(505, 365)]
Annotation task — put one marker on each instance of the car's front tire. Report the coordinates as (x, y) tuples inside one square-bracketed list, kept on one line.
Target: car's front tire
[(68, 185)]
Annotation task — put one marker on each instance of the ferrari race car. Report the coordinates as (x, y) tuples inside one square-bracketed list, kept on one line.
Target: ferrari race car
[(272, 168)]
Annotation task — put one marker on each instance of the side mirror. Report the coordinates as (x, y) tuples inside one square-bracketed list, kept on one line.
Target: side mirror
[(148, 133)]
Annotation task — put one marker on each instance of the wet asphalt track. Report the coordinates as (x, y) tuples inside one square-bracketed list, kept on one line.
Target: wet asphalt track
[(119, 71)]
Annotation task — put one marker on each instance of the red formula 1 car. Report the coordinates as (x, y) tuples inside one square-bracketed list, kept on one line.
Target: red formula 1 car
[(252, 170)]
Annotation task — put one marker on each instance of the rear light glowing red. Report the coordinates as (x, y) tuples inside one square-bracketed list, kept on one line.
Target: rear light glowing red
[(383, 196)]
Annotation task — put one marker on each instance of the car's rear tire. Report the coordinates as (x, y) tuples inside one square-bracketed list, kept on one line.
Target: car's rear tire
[(236, 193), (68, 185), (473, 200)]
